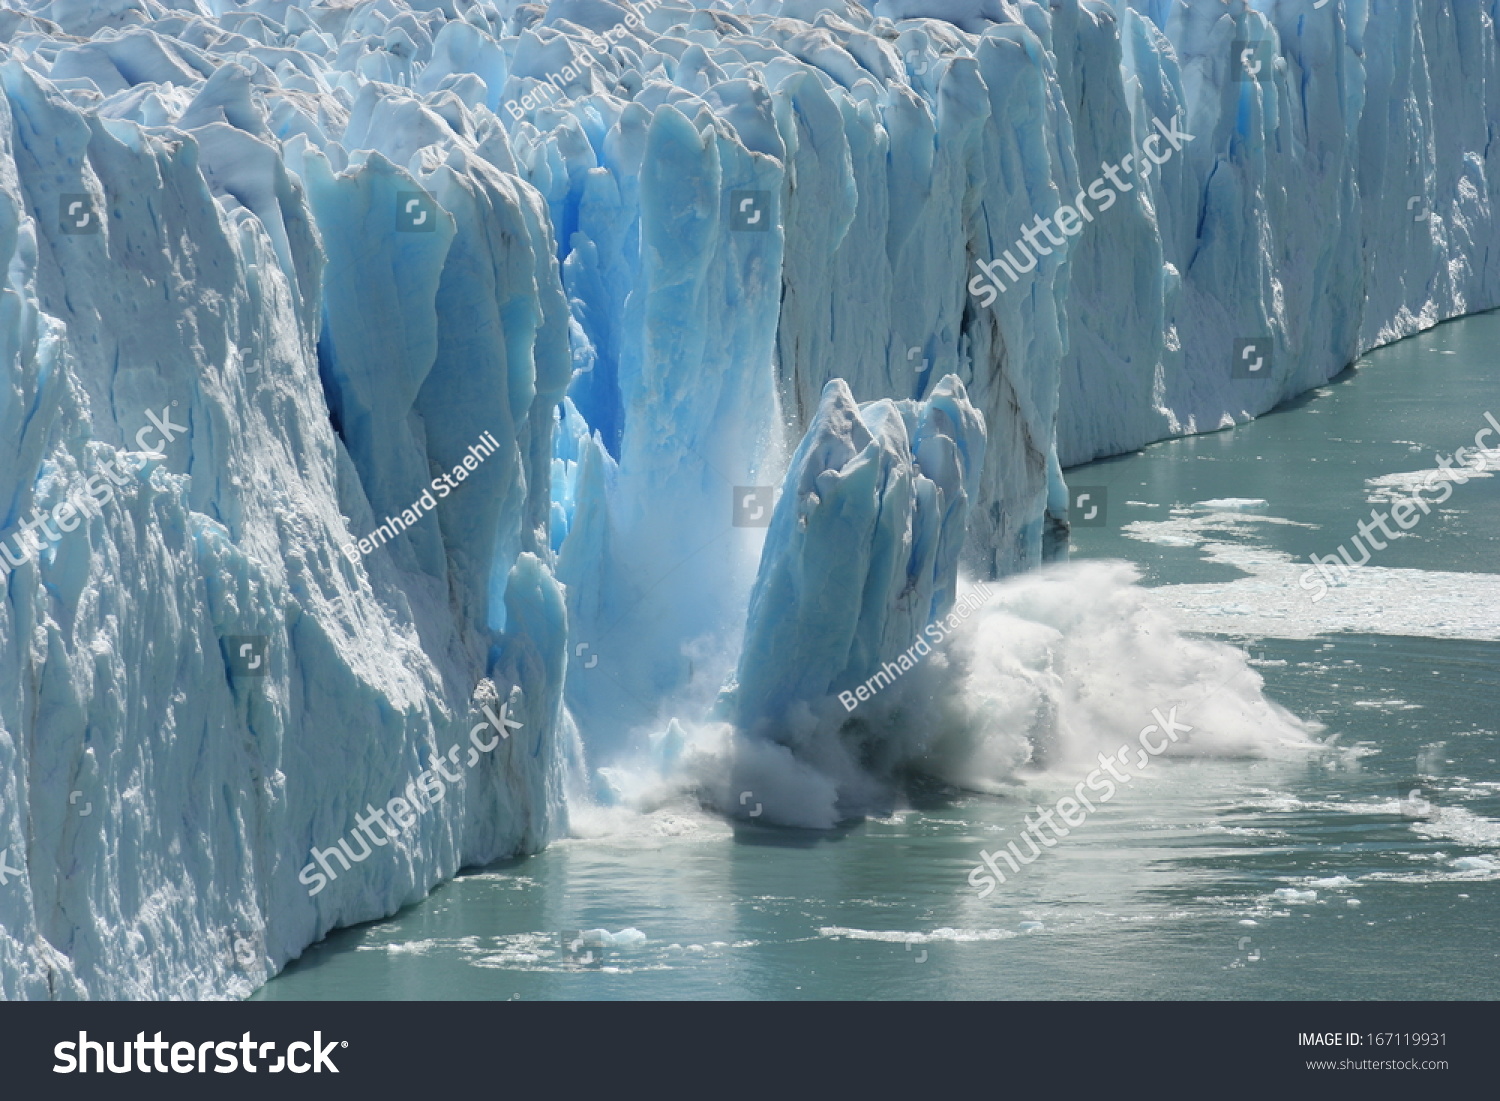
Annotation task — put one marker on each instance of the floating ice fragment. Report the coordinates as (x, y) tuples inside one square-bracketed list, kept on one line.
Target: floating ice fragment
[(603, 938), (1292, 894), (1474, 864)]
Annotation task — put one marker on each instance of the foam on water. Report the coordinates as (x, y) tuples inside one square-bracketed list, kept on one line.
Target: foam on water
[(1060, 665), (1388, 488), (1270, 601)]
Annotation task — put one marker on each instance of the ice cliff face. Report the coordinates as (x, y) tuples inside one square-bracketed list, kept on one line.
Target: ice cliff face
[(275, 275)]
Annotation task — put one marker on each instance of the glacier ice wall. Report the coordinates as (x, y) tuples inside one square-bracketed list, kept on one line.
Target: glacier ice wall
[(313, 369), (332, 247)]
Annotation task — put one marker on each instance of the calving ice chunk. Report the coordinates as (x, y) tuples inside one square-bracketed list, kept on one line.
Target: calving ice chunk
[(874, 503)]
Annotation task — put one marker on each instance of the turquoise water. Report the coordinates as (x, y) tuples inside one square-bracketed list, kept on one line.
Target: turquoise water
[(1369, 869)]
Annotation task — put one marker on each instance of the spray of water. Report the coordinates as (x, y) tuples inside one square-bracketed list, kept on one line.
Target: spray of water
[(1059, 665)]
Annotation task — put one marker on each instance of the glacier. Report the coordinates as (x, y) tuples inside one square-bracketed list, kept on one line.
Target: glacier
[(701, 272)]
